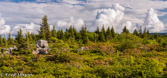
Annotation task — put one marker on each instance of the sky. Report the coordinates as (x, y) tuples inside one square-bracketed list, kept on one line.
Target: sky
[(28, 14)]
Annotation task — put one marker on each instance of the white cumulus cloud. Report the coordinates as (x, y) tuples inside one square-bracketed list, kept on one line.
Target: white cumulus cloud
[(128, 25), (152, 22), (110, 17), (32, 28), (4, 29), (77, 23)]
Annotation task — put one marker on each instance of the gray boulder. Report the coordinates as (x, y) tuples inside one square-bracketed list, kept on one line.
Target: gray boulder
[(42, 44), (82, 48), (42, 47), (35, 52), (43, 50)]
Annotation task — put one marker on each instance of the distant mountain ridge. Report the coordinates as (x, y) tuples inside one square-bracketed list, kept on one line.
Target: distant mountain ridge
[(158, 33)]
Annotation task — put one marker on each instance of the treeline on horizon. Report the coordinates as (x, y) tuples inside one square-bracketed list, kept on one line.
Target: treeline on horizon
[(83, 36)]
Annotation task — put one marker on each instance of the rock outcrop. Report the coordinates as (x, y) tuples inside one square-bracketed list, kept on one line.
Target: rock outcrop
[(42, 47), (82, 49), (5, 50), (8, 50)]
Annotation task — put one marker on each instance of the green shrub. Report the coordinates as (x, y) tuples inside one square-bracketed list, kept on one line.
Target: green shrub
[(129, 41)]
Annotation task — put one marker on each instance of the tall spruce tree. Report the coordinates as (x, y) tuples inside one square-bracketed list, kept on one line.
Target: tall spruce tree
[(10, 40), (125, 30), (155, 35), (96, 37), (30, 37), (135, 32), (5, 42), (71, 32), (97, 31), (103, 30), (112, 32), (84, 34), (72, 36), (75, 33), (140, 31), (102, 37), (145, 33), (34, 37), (102, 34), (148, 32), (27, 44), (1, 40), (19, 38), (58, 34), (62, 34), (44, 32), (108, 34), (54, 32), (79, 37), (67, 34)]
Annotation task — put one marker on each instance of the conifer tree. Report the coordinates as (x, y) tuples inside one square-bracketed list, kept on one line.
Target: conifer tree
[(44, 32), (148, 32), (30, 37), (71, 32), (54, 32), (84, 34), (103, 30), (47, 28), (19, 38), (112, 32), (140, 31), (12, 40), (102, 37), (97, 31), (155, 35), (4, 40), (67, 34), (125, 30), (28, 41), (135, 32), (102, 34), (34, 37), (62, 34), (1, 40), (6, 43), (96, 37), (108, 34), (75, 33), (9, 38), (58, 34), (145, 33)]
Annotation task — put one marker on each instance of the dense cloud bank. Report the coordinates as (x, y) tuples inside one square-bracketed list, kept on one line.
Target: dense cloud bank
[(92, 13)]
